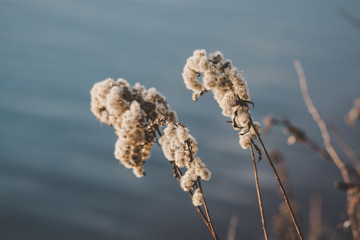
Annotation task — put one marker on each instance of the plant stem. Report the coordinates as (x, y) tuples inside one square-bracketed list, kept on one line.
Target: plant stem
[(278, 181), (178, 174), (207, 219), (209, 222), (258, 193), (207, 213), (352, 195)]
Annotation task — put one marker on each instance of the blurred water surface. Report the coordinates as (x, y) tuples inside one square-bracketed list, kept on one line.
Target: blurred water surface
[(58, 175)]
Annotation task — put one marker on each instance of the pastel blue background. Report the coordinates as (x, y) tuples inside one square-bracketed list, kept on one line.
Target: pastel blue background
[(58, 176)]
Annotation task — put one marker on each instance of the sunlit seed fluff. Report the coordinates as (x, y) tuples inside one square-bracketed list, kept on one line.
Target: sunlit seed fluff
[(245, 140), (238, 82), (122, 153), (228, 103), (132, 118), (170, 130), (138, 172), (180, 157), (138, 90), (216, 57), (200, 169), (199, 62), (190, 80), (204, 174), (182, 133), (197, 198), (98, 99), (188, 179), (242, 119), (193, 143), (209, 79), (120, 106), (175, 142), (169, 153), (194, 65), (137, 135), (115, 104), (257, 128), (228, 86)]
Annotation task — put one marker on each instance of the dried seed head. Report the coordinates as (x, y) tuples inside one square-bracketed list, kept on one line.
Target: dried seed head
[(129, 111), (245, 140), (197, 198), (226, 83)]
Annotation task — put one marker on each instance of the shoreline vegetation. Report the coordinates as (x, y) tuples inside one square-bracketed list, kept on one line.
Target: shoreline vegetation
[(141, 117)]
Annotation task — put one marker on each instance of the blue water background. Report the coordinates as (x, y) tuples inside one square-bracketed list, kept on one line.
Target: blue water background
[(58, 176)]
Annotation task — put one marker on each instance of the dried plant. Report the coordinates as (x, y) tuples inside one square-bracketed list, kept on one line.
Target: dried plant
[(352, 193), (139, 116), (281, 221), (354, 114), (231, 93), (297, 135), (350, 174)]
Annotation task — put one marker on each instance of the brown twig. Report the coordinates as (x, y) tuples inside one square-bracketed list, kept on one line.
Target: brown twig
[(349, 152), (200, 211), (178, 174), (291, 212), (352, 197), (209, 222), (258, 193), (232, 227), (315, 219), (322, 125), (208, 213)]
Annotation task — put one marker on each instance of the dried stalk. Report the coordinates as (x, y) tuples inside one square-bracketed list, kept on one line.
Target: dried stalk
[(322, 125), (232, 227), (258, 193), (205, 205), (345, 147), (315, 219), (178, 174), (291, 212), (351, 194)]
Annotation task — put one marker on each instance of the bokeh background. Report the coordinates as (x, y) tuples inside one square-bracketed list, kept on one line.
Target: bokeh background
[(58, 176)]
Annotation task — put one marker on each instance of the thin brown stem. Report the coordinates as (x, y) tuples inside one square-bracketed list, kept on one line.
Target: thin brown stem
[(209, 222), (200, 211), (352, 196), (315, 219), (292, 215), (208, 213), (232, 227), (349, 152), (320, 122), (178, 174), (258, 193)]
